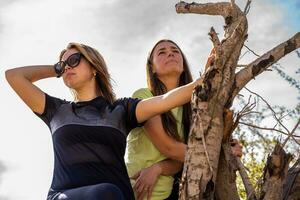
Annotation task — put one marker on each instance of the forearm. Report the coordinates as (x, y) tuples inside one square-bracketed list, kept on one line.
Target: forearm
[(148, 108), (176, 151), (31, 73), (178, 96), (168, 167), (168, 146)]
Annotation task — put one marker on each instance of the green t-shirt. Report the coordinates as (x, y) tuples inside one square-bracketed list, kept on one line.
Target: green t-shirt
[(141, 153)]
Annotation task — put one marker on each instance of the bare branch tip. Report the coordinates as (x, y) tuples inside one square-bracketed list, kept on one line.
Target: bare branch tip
[(212, 29), (181, 6), (212, 33), (247, 7)]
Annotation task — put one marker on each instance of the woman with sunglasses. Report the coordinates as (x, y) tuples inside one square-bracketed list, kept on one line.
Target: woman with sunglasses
[(156, 151), (89, 134)]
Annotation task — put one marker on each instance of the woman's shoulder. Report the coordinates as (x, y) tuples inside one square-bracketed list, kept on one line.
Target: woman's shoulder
[(55, 102), (139, 94), (142, 93)]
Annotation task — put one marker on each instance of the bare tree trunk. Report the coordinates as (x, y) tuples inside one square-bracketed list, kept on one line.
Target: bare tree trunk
[(291, 188), (209, 100), (217, 92), (226, 178), (275, 173)]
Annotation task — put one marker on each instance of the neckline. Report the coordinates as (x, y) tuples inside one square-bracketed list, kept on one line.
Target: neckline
[(88, 101), (98, 101)]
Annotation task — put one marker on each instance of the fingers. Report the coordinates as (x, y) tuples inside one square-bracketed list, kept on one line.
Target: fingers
[(142, 193), (138, 186), (150, 193), (134, 177), (140, 189), (145, 182), (212, 51), (211, 59)]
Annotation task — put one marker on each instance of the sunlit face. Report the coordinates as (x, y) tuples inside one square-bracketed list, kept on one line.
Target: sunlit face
[(167, 60), (78, 76)]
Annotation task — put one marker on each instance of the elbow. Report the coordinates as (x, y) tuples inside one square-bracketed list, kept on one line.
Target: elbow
[(13, 74), (9, 74), (172, 154)]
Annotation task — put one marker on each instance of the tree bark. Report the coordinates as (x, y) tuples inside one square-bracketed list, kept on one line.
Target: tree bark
[(220, 86), (209, 101), (291, 187), (275, 173), (226, 177)]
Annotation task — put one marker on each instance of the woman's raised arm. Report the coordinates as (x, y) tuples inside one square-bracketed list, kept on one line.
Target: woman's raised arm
[(21, 80), (150, 107)]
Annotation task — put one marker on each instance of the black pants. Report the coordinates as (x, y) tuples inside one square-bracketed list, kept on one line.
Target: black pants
[(103, 191)]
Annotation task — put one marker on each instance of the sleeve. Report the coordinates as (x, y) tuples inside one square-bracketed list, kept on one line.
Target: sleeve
[(142, 93), (129, 105), (51, 106)]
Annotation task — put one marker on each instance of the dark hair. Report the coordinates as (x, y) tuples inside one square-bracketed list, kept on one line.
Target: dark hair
[(157, 87), (97, 62)]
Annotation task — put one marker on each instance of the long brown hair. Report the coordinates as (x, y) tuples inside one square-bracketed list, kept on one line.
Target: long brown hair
[(157, 87), (96, 60)]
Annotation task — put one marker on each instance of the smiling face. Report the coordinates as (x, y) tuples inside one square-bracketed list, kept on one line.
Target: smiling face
[(82, 74), (167, 60)]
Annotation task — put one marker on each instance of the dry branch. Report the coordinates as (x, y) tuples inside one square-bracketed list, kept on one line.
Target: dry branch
[(291, 134), (265, 61), (246, 180)]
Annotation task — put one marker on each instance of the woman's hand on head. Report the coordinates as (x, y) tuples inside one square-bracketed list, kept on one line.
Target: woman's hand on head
[(145, 181)]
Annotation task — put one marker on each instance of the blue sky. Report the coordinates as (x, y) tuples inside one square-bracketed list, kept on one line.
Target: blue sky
[(124, 31), (291, 10)]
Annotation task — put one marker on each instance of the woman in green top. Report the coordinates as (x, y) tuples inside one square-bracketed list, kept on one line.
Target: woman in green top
[(156, 151), (167, 68)]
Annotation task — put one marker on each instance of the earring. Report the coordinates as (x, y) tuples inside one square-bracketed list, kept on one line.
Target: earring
[(95, 73)]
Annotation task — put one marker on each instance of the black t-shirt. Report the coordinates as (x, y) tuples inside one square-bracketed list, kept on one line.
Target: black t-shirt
[(89, 141)]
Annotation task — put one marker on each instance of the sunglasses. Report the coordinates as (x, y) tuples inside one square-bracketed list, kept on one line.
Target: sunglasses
[(72, 61)]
